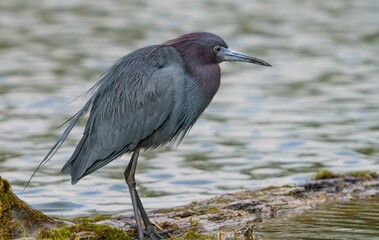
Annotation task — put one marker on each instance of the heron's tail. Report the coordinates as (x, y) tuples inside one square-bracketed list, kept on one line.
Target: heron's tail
[(74, 119)]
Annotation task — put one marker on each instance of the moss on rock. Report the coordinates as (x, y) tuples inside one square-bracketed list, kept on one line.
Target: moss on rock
[(192, 235), (92, 219), (17, 218), (84, 231), (325, 174), (362, 175)]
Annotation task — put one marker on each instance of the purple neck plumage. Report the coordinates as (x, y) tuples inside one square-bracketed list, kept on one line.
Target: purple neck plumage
[(208, 77), (206, 73)]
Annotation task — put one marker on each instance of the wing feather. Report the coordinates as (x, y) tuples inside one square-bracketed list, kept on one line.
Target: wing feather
[(126, 109)]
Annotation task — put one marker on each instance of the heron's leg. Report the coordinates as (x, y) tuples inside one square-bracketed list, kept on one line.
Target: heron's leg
[(131, 182), (139, 203), (149, 228)]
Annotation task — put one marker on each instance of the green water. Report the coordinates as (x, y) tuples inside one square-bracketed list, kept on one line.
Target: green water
[(356, 219)]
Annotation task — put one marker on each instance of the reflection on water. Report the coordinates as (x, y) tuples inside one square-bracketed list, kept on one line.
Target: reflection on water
[(316, 108), (357, 219)]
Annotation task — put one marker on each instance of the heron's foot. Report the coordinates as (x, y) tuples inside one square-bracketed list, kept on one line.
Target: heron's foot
[(156, 235), (153, 235)]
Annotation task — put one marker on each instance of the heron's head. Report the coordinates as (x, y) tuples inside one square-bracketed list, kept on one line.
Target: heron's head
[(208, 48)]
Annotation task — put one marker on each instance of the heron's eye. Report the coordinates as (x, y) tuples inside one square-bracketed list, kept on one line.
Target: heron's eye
[(217, 49)]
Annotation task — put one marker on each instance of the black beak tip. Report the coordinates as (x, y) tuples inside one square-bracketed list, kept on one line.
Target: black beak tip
[(266, 64), (261, 62)]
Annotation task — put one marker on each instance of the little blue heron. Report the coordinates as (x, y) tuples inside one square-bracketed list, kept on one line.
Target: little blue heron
[(148, 98)]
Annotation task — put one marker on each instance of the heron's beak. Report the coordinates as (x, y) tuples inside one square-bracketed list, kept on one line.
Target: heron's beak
[(227, 54)]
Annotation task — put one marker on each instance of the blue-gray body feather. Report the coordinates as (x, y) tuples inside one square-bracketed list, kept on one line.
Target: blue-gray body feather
[(147, 99)]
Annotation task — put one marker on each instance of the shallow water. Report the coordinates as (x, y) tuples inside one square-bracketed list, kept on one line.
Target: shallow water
[(356, 219), (316, 108)]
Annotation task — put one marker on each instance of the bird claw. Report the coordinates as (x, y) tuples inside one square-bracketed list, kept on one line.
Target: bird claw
[(153, 235)]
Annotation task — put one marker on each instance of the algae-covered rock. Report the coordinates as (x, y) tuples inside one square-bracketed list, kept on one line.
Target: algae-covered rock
[(17, 218), (229, 216), (192, 235), (84, 231), (360, 175), (233, 216)]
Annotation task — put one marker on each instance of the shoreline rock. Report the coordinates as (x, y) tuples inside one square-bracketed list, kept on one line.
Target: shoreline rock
[(229, 216)]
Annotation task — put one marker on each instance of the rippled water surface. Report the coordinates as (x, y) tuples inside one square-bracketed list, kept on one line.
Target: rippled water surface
[(316, 108), (357, 219)]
